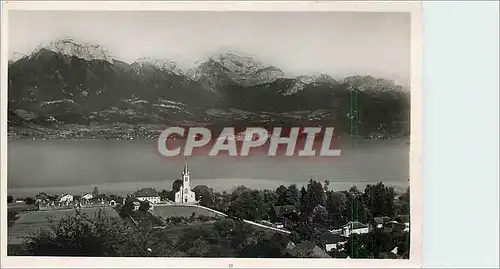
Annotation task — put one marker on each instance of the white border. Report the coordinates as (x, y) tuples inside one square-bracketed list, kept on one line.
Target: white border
[(415, 148)]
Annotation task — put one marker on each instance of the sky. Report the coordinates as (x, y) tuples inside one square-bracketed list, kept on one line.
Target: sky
[(300, 43)]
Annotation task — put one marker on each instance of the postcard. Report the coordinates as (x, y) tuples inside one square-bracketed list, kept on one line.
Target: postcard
[(211, 134)]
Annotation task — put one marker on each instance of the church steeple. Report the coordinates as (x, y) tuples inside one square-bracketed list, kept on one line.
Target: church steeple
[(186, 170)]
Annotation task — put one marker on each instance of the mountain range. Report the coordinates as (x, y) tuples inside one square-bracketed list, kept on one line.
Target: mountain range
[(66, 83)]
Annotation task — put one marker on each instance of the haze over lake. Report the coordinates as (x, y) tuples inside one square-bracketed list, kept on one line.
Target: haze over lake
[(75, 166)]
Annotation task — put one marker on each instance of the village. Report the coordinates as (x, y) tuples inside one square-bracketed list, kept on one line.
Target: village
[(185, 205)]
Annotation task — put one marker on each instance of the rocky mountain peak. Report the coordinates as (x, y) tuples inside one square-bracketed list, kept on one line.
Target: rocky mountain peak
[(84, 51), (160, 64)]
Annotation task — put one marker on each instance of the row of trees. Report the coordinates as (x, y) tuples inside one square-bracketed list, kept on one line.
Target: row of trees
[(335, 207)]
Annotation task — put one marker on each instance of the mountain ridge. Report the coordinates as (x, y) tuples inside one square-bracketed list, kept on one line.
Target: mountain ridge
[(66, 83)]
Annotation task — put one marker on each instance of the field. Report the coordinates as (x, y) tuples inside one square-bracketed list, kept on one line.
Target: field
[(32, 221), (168, 211)]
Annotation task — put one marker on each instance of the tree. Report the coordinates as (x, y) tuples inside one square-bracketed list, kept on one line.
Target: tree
[(204, 195), (127, 209), (10, 199), (320, 217), (95, 192), (29, 201), (355, 209), (405, 202), (289, 196), (247, 204), (164, 195), (379, 200), (327, 183), (336, 203), (314, 195), (80, 235), (144, 206), (355, 247), (176, 185), (280, 190)]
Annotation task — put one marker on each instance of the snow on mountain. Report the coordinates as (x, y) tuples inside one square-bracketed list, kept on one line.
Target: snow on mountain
[(243, 70), (160, 64), (84, 51), (301, 81), (369, 83)]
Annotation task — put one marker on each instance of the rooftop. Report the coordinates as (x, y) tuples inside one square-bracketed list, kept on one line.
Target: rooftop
[(331, 238), (356, 225), (146, 192)]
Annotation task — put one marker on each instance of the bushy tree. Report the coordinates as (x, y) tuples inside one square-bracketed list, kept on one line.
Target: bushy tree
[(313, 196), (95, 192), (10, 199), (144, 206), (204, 195), (356, 247), (164, 195), (247, 204), (79, 235), (289, 196), (405, 202), (29, 201), (336, 204), (379, 199)]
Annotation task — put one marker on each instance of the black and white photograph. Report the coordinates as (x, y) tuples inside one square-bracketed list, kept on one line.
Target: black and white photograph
[(210, 134)]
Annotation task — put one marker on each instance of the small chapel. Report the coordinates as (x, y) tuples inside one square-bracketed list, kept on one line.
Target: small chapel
[(185, 194)]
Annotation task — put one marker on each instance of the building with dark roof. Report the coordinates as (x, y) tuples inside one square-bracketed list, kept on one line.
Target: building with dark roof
[(308, 249), (147, 194), (333, 241)]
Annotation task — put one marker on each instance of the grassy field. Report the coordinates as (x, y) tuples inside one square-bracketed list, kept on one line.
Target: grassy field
[(32, 221), (168, 211)]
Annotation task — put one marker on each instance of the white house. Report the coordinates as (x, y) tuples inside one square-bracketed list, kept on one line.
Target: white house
[(185, 194), (67, 198), (88, 196), (333, 241), (148, 194), (354, 227)]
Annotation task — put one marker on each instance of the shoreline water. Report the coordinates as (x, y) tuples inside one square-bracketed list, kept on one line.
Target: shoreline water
[(220, 184)]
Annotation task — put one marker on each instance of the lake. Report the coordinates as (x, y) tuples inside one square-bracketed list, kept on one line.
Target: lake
[(122, 166)]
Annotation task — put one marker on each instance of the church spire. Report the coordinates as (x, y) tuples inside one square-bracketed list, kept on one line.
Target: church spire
[(186, 170)]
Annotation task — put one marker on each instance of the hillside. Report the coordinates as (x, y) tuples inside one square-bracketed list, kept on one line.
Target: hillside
[(64, 87)]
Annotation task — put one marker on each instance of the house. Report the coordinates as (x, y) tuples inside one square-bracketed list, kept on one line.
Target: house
[(285, 216), (333, 241), (66, 198), (42, 197), (308, 249), (354, 227), (380, 221), (147, 194), (87, 196)]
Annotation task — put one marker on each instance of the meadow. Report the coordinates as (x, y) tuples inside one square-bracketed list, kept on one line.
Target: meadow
[(169, 211), (31, 221)]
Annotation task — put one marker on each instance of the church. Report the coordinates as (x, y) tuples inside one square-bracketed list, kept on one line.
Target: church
[(185, 194)]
